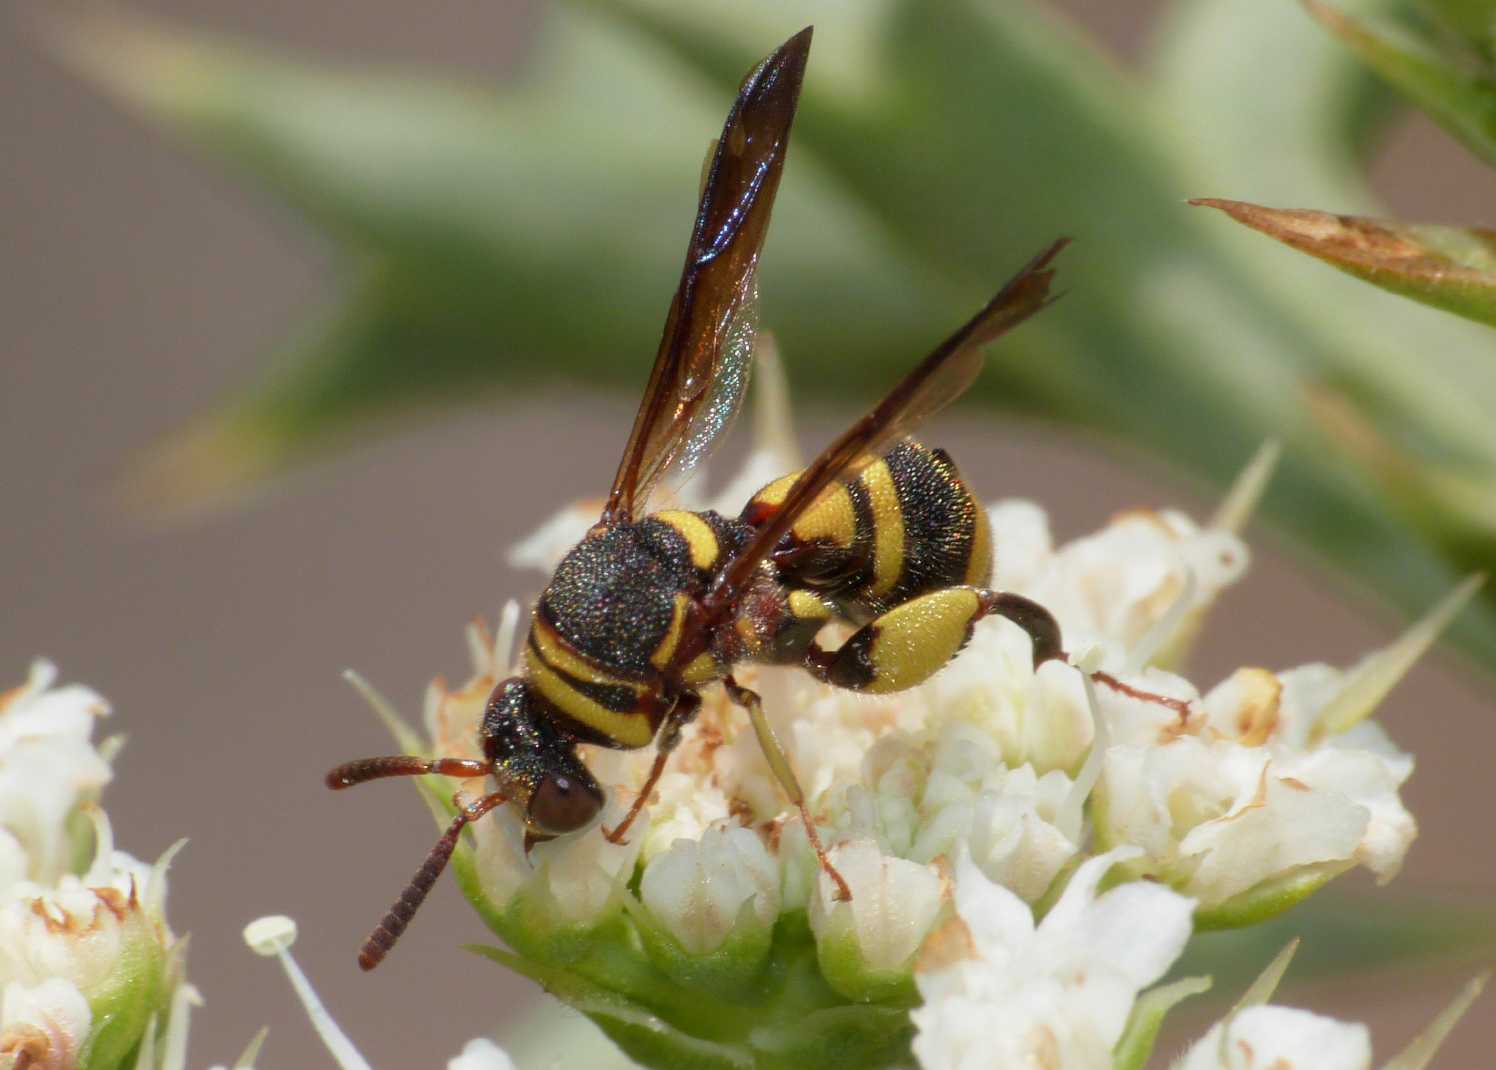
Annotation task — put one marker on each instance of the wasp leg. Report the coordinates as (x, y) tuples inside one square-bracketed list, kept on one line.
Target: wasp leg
[(911, 642), (780, 766), (683, 713), (1043, 630)]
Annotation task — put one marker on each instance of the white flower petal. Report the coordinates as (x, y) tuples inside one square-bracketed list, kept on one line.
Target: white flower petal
[(894, 903), (1000, 991), (580, 876), (699, 889), (47, 1022), (481, 1054), (1280, 1038)]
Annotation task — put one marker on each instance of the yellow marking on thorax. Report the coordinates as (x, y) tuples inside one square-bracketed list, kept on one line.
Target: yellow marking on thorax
[(666, 650), (888, 527), (700, 538), (979, 564)]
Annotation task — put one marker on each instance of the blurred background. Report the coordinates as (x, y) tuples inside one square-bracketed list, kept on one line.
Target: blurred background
[(143, 282)]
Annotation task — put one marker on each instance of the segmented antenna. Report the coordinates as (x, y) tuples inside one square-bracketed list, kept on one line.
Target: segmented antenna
[(363, 770), (393, 924)]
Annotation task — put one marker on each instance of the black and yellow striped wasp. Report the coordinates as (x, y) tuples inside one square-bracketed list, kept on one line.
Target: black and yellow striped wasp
[(878, 532)]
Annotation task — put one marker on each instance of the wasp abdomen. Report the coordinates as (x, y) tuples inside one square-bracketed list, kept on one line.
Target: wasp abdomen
[(906, 526)]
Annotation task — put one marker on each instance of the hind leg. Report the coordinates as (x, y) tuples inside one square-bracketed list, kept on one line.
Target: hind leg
[(779, 765), (911, 642)]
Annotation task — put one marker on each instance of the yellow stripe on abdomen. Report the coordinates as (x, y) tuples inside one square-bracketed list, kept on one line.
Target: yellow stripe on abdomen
[(627, 729), (552, 666), (887, 517), (832, 520), (979, 565)]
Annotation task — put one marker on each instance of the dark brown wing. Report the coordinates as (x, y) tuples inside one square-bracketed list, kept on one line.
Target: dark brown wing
[(701, 369), (938, 380)]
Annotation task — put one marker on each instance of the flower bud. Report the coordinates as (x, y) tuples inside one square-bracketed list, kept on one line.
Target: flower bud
[(564, 887), (867, 946), (103, 936), (43, 1026), (702, 892)]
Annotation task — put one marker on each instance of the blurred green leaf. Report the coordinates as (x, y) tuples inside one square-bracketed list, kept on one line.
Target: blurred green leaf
[(1446, 267), (535, 230), (1473, 20), (1345, 932), (1458, 91)]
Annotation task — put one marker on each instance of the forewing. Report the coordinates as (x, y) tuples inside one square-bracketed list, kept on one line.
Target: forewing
[(701, 370), (938, 380)]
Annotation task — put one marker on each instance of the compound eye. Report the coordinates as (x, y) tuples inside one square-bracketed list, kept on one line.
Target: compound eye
[(564, 803)]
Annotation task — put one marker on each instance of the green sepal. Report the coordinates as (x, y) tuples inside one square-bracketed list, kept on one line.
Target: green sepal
[(845, 970), (731, 970), (1268, 899), (1136, 1046), (530, 923), (664, 1013), (133, 995)]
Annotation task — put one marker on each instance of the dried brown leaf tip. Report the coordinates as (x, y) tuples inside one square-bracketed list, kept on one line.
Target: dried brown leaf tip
[(1448, 267)]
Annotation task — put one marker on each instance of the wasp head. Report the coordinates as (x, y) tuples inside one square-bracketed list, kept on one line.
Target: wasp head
[(536, 764)]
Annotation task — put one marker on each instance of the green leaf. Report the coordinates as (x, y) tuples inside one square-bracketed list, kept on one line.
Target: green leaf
[(533, 231), (1459, 95), (1472, 20), (1446, 267), (494, 237)]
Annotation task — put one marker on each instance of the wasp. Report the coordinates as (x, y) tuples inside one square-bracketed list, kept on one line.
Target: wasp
[(878, 532)]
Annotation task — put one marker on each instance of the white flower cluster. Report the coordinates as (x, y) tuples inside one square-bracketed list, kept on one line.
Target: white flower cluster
[(83, 956), (959, 810), (1002, 991)]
